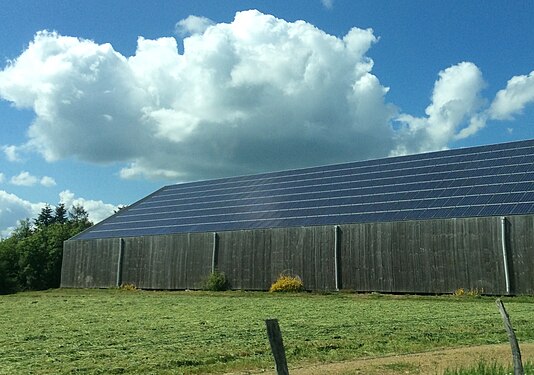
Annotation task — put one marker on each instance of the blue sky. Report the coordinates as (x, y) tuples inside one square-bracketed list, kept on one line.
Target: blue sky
[(104, 102)]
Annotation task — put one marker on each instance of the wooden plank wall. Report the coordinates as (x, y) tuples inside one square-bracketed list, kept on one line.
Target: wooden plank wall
[(435, 256), (180, 261), (89, 263), (254, 259), (521, 253)]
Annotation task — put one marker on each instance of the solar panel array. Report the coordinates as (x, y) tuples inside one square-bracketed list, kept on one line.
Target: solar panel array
[(479, 181)]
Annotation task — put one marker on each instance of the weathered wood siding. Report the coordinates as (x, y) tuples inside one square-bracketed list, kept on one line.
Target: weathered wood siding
[(89, 263), (434, 256), (254, 259), (521, 253), (245, 257), (180, 261)]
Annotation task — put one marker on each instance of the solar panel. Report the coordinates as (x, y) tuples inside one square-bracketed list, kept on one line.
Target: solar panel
[(477, 181)]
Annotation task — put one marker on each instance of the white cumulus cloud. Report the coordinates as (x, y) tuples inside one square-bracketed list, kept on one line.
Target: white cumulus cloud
[(452, 113), (11, 153), (13, 209), (193, 25), (512, 100), (97, 209), (47, 181), (255, 94), (24, 179)]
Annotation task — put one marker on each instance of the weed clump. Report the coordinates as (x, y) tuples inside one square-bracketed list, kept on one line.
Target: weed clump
[(128, 287), (286, 283), (216, 282), (461, 292)]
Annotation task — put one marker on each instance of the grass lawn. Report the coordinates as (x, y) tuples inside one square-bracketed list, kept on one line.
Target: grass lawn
[(139, 332)]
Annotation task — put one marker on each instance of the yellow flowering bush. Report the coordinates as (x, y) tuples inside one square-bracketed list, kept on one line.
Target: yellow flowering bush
[(286, 283)]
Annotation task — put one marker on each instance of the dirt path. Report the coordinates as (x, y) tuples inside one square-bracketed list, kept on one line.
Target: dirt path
[(429, 363)]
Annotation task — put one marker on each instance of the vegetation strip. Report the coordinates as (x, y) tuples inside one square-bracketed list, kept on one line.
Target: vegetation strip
[(134, 332)]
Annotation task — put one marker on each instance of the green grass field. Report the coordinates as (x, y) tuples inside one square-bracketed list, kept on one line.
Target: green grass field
[(139, 332)]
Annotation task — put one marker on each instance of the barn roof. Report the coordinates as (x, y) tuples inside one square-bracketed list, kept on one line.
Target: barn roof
[(489, 180)]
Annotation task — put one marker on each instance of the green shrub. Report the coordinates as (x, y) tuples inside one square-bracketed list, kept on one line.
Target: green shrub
[(286, 283), (216, 282)]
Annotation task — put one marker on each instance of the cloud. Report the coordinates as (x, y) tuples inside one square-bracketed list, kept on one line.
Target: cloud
[(193, 25), (13, 209), (328, 4), (512, 100), (71, 85), (11, 153), (97, 210), (47, 181), (24, 179), (454, 112), (2, 178), (256, 94)]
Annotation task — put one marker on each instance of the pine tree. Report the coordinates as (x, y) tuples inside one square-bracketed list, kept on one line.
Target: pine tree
[(45, 217), (78, 214), (60, 215)]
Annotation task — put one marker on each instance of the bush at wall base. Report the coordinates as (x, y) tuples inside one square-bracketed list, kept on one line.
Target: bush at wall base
[(216, 282), (286, 283)]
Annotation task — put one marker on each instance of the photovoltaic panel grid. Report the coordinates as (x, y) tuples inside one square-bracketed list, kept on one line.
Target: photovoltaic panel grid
[(490, 180)]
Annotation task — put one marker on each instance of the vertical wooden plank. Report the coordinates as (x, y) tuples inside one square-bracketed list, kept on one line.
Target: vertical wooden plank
[(521, 245), (259, 268), (68, 264), (267, 258), (199, 257), (228, 260)]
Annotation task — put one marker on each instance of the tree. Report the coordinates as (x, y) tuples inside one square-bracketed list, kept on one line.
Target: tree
[(78, 214), (60, 215), (31, 259), (9, 265), (32, 252), (45, 217), (23, 230), (79, 218)]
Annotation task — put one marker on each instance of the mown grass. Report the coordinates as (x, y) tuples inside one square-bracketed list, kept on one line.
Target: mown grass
[(490, 369), (140, 332)]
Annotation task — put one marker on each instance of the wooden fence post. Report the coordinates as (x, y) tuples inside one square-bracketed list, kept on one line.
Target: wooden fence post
[(277, 346), (516, 353)]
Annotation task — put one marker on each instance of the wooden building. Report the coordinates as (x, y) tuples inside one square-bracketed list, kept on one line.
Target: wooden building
[(426, 223)]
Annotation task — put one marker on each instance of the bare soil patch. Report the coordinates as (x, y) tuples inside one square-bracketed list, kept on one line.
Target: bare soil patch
[(428, 363)]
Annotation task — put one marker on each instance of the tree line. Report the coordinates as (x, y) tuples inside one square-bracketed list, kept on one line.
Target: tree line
[(30, 258)]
